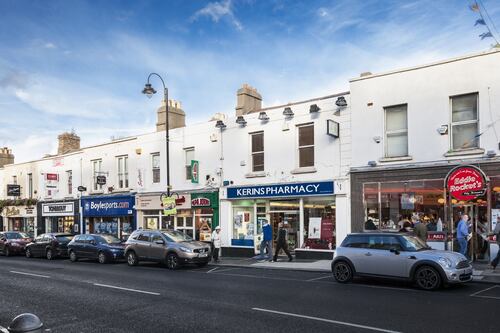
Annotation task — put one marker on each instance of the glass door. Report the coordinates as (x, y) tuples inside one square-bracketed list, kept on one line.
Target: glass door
[(477, 246), (185, 224)]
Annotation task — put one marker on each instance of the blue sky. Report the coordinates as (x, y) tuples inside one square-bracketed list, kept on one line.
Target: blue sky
[(82, 64)]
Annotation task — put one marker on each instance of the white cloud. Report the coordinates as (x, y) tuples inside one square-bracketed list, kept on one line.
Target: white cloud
[(49, 45), (218, 10)]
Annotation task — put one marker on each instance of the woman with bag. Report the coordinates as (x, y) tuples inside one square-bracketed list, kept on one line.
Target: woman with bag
[(216, 244)]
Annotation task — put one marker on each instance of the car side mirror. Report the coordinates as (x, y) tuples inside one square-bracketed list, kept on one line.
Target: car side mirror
[(159, 241), (394, 250)]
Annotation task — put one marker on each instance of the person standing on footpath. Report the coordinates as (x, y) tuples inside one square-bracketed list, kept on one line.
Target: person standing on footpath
[(495, 261), (216, 244), (282, 243), (420, 230), (267, 241), (462, 234)]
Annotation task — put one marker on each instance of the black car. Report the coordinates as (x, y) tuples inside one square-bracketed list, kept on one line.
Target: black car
[(104, 248), (50, 246), (13, 242)]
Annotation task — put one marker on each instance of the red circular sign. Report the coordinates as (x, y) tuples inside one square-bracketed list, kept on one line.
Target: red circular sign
[(466, 183)]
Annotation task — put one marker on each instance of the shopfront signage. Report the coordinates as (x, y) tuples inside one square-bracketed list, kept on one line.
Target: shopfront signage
[(466, 183), (281, 190), (436, 236), (12, 211), (13, 190), (153, 202), (101, 206), (58, 209), (52, 176), (201, 202), (195, 174), (100, 180)]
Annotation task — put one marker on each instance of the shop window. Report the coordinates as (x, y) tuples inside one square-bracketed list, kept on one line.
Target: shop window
[(96, 171), (155, 167), (306, 145), (257, 141), (69, 178), (122, 162), (464, 122), (396, 131), (371, 205), (319, 223), (243, 225), (495, 201), (189, 152)]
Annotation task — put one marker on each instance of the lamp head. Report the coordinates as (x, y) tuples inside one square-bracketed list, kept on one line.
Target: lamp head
[(148, 90)]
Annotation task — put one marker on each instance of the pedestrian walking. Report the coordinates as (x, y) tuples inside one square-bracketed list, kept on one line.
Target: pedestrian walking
[(495, 261), (216, 244), (463, 234), (267, 241), (282, 242)]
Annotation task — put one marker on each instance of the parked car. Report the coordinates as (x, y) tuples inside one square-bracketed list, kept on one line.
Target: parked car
[(171, 247), (13, 242), (50, 246), (398, 256), (104, 248)]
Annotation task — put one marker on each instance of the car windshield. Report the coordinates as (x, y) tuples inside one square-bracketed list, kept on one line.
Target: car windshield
[(16, 235), (64, 238), (412, 243), (176, 236), (108, 239)]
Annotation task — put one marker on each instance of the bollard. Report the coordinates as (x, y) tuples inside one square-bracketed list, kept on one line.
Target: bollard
[(26, 322)]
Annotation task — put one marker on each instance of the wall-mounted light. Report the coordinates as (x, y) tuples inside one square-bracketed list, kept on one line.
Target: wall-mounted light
[(314, 108), (341, 102), (372, 163), (491, 153), (220, 124), (377, 139), (263, 116), (443, 129), (240, 120), (288, 112)]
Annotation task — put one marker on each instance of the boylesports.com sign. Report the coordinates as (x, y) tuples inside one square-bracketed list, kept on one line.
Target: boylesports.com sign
[(108, 206)]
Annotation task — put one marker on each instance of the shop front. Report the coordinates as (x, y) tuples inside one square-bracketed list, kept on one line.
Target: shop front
[(112, 214), (307, 210), (60, 216), (383, 198), (197, 213), (20, 218)]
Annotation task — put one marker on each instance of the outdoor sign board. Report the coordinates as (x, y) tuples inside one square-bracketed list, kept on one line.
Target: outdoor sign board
[(281, 190), (108, 206), (195, 172), (201, 202), (169, 206), (466, 183), (13, 190), (58, 209), (101, 180)]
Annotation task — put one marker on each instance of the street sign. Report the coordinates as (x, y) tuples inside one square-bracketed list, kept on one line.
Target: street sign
[(195, 172), (13, 190), (82, 189), (101, 180), (169, 206)]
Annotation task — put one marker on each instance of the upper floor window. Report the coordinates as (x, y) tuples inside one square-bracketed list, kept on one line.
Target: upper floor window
[(189, 157), (464, 121), (14, 180), (96, 171), (396, 131), (306, 145), (69, 178), (257, 141), (30, 185), (155, 167), (122, 163)]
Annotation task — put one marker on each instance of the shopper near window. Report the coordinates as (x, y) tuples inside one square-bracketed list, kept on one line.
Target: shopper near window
[(282, 242), (420, 230), (216, 244), (463, 233), (267, 241)]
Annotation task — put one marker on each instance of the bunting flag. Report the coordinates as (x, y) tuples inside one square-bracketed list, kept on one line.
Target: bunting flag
[(474, 7), (485, 35), (480, 21)]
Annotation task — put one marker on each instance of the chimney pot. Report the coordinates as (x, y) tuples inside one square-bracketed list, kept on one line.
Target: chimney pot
[(248, 100)]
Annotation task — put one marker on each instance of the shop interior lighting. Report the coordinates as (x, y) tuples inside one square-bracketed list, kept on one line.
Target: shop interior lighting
[(263, 116), (314, 108), (240, 120), (220, 124), (341, 102), (443, 129), (288, 112)]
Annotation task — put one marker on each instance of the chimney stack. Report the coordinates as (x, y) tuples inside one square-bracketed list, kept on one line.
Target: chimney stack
[(248, 100), (176, 116), (68, 143), (6, 156)]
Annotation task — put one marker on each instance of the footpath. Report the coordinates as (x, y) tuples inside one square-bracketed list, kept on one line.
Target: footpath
[(482, 272)]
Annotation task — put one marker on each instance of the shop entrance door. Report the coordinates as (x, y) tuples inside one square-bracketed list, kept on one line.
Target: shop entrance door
[(185, 224), (292, 219), (477, 246)]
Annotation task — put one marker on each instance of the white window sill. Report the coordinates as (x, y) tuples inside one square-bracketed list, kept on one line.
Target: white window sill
[(303, 170), (96, 192), (473, 151), (395, 159), (255, 174)]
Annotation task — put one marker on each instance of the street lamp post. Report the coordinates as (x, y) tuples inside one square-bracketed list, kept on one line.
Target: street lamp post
[(150, 91)]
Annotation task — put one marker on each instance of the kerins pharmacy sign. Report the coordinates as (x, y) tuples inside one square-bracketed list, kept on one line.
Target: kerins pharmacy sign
[(281, 190), (466, 183)]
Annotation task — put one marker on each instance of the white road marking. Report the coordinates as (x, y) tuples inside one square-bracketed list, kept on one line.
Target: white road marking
[(31, 274), (213, 269), (127, 289), (326, 320), (227, 270), (482, 291), (319, 278)]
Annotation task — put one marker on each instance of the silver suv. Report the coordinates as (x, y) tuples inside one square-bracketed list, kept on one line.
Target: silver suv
[(399, 256), (171, 247)]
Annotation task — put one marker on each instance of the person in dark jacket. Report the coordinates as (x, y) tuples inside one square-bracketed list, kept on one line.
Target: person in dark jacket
[(282, 243), (369, 225), (267, 241)]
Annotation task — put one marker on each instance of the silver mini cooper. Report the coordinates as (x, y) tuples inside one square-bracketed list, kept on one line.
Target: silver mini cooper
[(398, 256)]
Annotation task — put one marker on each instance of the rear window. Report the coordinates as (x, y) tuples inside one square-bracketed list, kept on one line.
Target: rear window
[(16, 235), (64, 238)]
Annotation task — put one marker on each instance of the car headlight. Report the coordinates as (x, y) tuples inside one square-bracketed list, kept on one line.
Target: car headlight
[(445, 262), (185, 249)]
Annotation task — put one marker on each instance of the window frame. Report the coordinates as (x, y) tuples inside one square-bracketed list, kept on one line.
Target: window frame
[(69, 181), (465, 122), (388, 133), (122, 172), (299, 147), (157, 169), (95, 173), (30, 185), (187, 165), (252, 153)]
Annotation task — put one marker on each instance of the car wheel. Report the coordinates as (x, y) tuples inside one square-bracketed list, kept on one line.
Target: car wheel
[(28, 253), (427, 278), (202, 264), (172, 261), (102, 258), (6, 251), (132, 259), (342, 272), (72, 256), (49, 255)]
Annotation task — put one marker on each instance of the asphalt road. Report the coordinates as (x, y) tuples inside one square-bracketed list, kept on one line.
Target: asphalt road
[(89, 297)]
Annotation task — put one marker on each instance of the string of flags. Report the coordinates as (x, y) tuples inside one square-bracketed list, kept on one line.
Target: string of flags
[(485, 21)]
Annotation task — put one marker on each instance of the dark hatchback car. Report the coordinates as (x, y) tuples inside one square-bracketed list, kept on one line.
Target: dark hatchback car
[(104, 248), (13, 242), (50, 246)]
